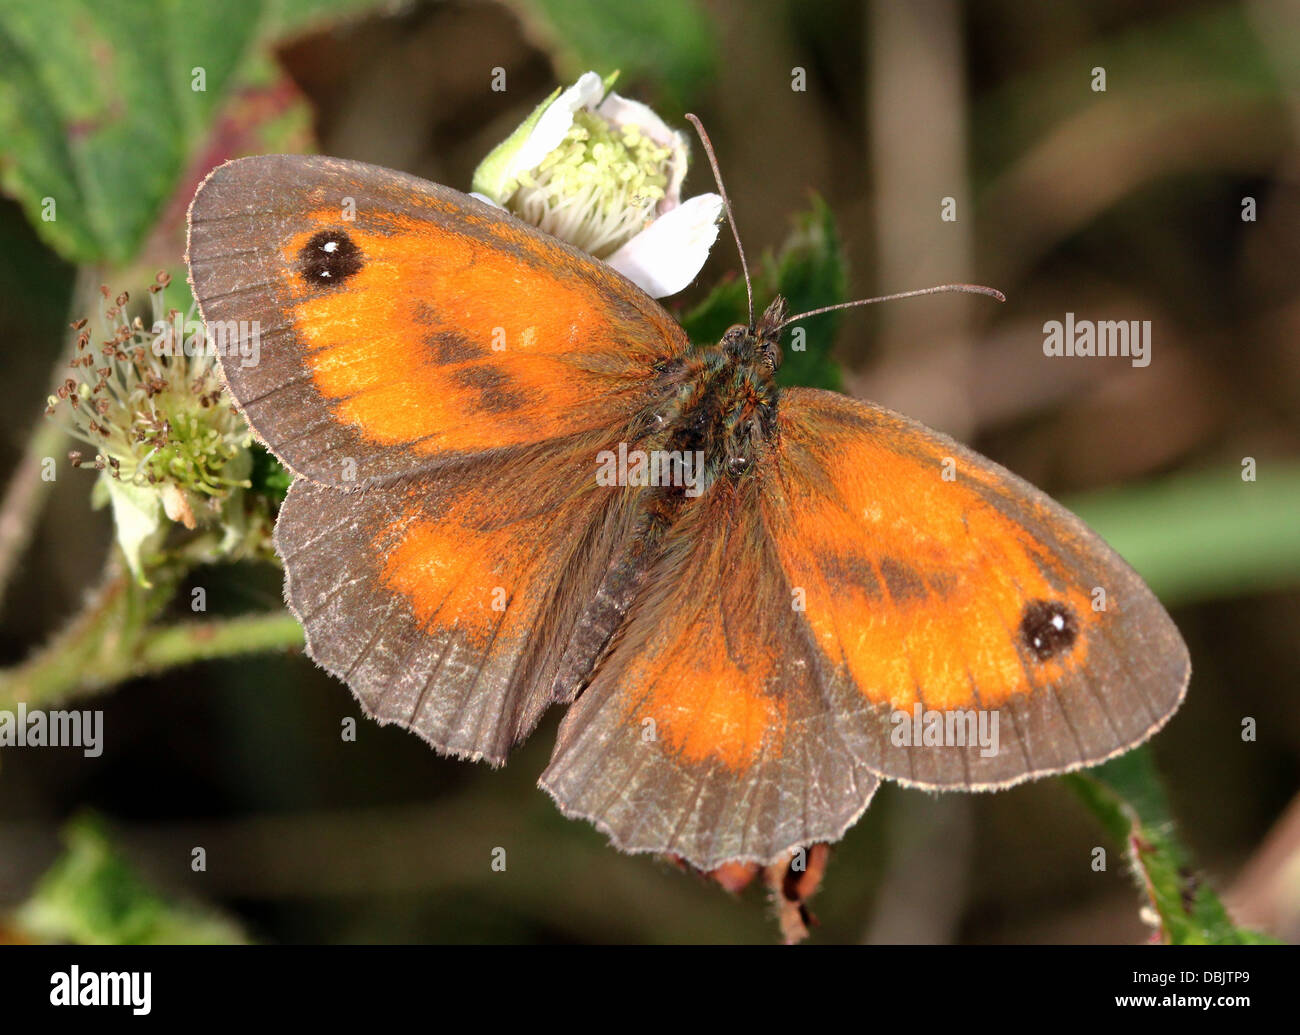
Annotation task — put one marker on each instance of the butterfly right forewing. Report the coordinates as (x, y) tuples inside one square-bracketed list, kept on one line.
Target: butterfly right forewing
[(944, 590)]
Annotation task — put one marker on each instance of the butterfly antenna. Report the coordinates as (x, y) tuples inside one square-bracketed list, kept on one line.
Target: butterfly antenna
[(941, 289), (726, 204)]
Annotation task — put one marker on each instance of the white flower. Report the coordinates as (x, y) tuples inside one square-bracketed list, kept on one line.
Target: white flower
[(605, 174)]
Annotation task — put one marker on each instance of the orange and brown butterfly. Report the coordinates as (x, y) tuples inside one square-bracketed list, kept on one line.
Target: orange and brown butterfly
[(735, 654)]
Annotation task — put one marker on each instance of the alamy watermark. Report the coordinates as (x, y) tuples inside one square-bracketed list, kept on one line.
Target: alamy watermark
[(651, 467), (130, 988), (37, 728), (955, 727), (229, 339), (1103, 338)]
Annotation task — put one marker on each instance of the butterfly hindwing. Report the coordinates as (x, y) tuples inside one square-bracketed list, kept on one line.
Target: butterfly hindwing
[(390, 325), (708, 731), (445, 600)]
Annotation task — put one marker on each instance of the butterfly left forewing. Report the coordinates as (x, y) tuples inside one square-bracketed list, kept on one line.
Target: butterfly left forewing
[(939, 586), (392, 325)]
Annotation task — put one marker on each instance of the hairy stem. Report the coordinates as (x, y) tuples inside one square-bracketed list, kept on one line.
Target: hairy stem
[(113, 639)]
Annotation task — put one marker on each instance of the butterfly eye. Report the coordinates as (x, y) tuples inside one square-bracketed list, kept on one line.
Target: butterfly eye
[(1048, 628), (329, 258)]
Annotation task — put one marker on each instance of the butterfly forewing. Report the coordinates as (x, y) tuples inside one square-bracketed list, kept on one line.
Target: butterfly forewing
[(939, 586), (386, 325)]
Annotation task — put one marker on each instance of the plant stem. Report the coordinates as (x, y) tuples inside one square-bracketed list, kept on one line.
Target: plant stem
[(185, 642), (1126, 795), (113, 640), (24, 496)]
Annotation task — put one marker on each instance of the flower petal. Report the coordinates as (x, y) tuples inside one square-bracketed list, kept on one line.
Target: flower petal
[(497, 175), (548, 132), (668, 254), (622, 111), (138, 519)]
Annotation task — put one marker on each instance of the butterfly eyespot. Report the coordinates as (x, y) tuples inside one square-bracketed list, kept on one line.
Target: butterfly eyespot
[(329, 258), (1048, 628)]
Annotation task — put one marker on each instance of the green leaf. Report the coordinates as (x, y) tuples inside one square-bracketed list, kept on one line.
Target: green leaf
[(1207, 535), (724, 306), (92, 896), (670, 43), (809, 271), (269, 476), (1126, 796), (100, 113)]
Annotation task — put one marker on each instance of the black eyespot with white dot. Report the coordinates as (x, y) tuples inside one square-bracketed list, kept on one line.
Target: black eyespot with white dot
[(329, 258), (1048, 628)]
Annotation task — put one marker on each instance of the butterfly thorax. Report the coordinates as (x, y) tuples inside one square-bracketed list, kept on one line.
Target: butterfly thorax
[(722, 400), (717, 404)]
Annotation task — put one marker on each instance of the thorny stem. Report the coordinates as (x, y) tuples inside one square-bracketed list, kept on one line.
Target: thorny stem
[(112, 640)]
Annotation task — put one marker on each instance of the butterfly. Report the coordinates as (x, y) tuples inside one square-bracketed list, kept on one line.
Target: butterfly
[(738, 651)]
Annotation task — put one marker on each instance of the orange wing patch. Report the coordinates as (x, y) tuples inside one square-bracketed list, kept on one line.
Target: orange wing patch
[(919, 584), (708, 710), (415, 349), (400, 325), (457, 569), (442, 566)]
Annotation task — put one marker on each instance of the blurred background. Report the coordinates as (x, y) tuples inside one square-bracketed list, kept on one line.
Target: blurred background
[(1127, 203)]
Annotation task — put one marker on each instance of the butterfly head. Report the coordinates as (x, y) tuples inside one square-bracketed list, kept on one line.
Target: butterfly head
[(759, 345)]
